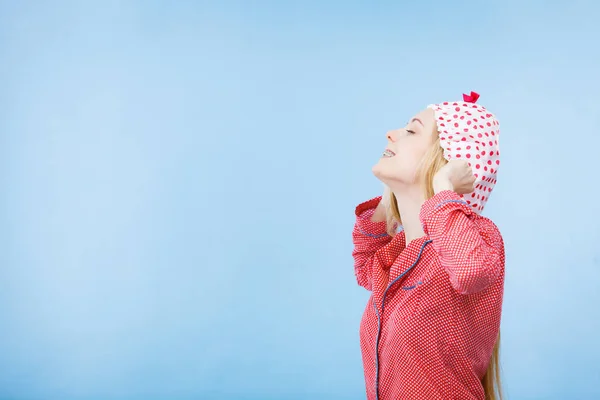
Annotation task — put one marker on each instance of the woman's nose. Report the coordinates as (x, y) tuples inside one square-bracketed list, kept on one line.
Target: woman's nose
[(391, 136)]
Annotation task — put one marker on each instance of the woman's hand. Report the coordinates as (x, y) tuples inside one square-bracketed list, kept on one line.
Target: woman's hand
[(456, 176)]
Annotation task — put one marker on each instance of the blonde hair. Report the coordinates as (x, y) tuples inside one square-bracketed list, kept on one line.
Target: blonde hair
[(492, 385), (431, 163)]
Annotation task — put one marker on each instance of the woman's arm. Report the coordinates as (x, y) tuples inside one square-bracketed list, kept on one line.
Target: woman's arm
[(370, 238), (470, 247)]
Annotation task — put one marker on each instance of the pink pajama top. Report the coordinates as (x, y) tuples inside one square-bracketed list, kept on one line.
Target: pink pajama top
[(433, 317)]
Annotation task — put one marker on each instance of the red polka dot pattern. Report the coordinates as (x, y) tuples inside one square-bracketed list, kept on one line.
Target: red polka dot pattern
[(461, 123), (429, 334)]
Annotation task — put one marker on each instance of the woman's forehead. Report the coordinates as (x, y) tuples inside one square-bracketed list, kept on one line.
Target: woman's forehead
[(426, 117), (426, 114)]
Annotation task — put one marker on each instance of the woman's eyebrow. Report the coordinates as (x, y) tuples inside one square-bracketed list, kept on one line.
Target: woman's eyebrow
[(418, 120)]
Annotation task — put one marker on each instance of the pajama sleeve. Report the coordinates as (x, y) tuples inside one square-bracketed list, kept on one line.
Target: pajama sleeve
[(470, 246), (372, 248)]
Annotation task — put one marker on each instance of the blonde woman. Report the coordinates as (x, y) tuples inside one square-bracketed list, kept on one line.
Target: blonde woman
[(433, 264)]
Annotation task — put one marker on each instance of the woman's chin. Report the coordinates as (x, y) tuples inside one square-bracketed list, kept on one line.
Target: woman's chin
[(390, 177), (382, 173), (378, 170)]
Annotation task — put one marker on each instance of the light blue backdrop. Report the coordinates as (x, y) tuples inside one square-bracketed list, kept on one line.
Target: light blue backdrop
[(178, 181)]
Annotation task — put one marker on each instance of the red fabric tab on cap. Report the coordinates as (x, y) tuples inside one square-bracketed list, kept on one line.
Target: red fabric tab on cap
[(472, 98)]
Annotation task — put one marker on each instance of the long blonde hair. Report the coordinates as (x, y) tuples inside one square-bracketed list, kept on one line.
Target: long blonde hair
[(431, 163)]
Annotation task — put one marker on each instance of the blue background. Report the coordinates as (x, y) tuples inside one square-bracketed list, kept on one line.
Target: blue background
[(178, 182)]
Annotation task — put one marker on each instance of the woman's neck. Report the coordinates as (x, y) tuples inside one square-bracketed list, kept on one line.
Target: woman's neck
[(409, 205)]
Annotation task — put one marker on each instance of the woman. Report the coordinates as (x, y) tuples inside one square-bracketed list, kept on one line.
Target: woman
[(431, 327)]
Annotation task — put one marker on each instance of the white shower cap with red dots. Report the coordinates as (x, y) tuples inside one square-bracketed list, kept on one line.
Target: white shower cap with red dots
[(471, 133)]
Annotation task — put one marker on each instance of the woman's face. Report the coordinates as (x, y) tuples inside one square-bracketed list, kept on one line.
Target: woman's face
[(405, 150)]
